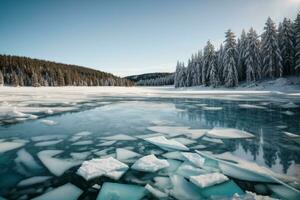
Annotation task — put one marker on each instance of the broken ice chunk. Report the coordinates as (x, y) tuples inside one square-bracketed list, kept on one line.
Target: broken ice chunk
[(174, 155), (109, 167), (150, 164), (26, 159), (285, 191), (67, 191), (108, 143), (156, 192), (173, 166), (162, 182), (46, 137), (7, 146), (214, 140), (55, 165), (292, 135), (33, 180), (196, 133), (228, 133), (194, 158), (289, 105), (83, 142), (183, 189), (48, 143), (48, 122), (163, 142), (225, 189), (110, 191), (124, 154), (251, 106), (209, 108), (206, 180), (184, 141), (118, 137), (186, 170), (83, 133)]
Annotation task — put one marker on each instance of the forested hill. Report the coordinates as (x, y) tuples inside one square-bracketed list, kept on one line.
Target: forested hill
[(148, 76), (24, 71)]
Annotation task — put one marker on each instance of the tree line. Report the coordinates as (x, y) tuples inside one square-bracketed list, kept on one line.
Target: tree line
[(252, 57), (24, 71), (164, 80)]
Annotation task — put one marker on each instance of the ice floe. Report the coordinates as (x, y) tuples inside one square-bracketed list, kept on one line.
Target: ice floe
[(210, 108), (285, 191), (47, 137), (8, 146), (195, 159), (110, 191), (108, 167), (289, 105), (80, 155), (214, 140), (184, 141), (169, 130), (163, 142), (83, 133), (33, 180), (56, 166), (174, 155), (186, 169), (228, 133), (48, 122), (118, 137), (150, 164), (27, 160), (162, 182), (251, 106), (48, 143), (222, 190), (156, 192), (83, 142), (123, 154), (196, 133), (108, 143), (206, 180), (292, 135), (67, 191)]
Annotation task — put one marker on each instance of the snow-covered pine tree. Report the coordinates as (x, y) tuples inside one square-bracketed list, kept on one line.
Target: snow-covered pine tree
[(208, 56), (1, 79), (272, 60), (252, 56), (177, 75), (241, 46), (213, 71), (297, 42), (287, 45), (195, 71), (34, 80), (220, 60), (230, 60), (14, 79), (189, 74), (198, 65)]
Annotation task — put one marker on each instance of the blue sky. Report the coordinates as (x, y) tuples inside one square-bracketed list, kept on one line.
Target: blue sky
[(128, 36)]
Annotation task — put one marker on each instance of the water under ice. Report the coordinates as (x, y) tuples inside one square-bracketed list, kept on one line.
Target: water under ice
[(67, 191), (121, 192)]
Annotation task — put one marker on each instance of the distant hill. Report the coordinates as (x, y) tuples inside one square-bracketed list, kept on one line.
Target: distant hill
[(24, 71), (136, 78)]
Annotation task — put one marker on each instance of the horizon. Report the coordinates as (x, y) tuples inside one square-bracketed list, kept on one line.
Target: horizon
[(137, 38)]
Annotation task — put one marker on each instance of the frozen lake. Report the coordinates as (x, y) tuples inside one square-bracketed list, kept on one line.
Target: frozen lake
[(251, 143)]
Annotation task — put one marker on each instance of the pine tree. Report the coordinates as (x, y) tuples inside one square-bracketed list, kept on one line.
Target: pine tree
[(213, 72), (241, 66), (272, 60), (297, 42), (220, 62), (287, 45), (1, 79), (208, 57), (61, 80), (14, 79), (230, 61), (34, 80), (252, 56)]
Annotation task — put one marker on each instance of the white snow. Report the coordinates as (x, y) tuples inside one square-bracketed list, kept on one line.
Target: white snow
[(48, 122), (206, 180), (123, 154), (56, 166), (150, 164), (109, 167), (67, 191), (228, 133), (8, 146), (163, 142), (33, 180), (118, 137)]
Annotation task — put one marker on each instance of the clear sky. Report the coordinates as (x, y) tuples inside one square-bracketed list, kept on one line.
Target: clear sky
[(127, 37)]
